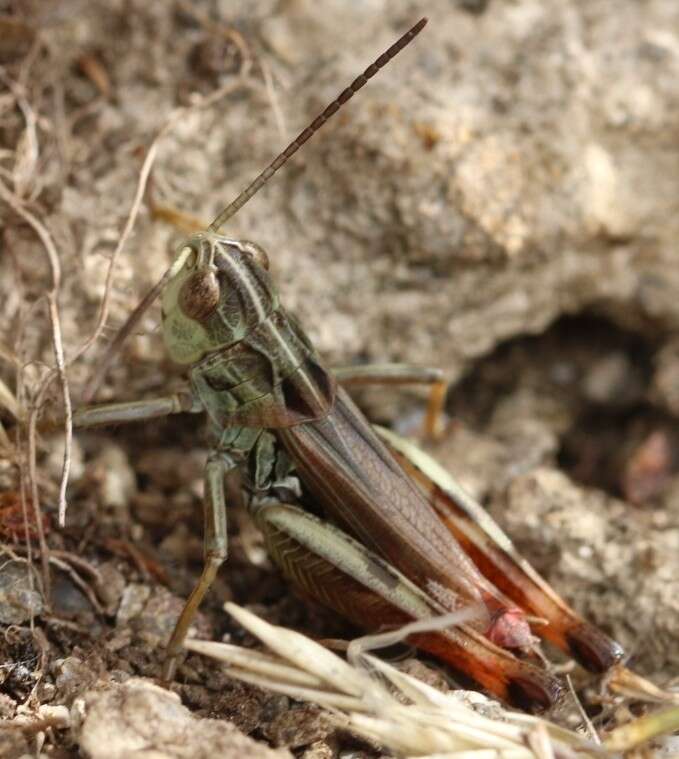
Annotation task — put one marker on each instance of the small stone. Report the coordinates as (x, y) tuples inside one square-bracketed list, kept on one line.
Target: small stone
[(69, 601), (156, 621), (73, 676), (132, 602), (608, 207), (118, 480), (138, 719), (112, 586), (18, 601), (608, 380), (319, 750)]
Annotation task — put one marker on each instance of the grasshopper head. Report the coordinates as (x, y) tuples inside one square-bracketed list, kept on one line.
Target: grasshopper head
[(220, 293)]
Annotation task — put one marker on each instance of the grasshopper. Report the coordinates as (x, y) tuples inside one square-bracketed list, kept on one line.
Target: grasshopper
[(403, 541)]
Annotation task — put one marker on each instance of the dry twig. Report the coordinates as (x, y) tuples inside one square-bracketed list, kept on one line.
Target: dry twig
[(55, 269)]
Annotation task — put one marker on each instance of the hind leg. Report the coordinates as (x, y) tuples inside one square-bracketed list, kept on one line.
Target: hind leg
[(333, 569)]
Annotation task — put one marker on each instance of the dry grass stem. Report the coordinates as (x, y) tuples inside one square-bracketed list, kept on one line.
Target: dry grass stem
[(646, 728), (581, 711), (68, 408), (432, 723), (55, 269), (8, 401), (358, 648), (630, 685)]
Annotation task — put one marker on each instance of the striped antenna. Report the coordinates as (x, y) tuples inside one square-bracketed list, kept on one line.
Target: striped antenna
[(315, 125)]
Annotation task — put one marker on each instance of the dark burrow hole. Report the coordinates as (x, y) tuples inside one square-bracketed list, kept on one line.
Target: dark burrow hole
[(599, 376)]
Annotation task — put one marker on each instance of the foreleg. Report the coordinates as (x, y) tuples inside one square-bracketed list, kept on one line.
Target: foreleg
[(136, 411)]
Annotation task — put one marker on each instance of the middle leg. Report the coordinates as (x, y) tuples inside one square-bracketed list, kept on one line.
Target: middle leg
[(403, 374)]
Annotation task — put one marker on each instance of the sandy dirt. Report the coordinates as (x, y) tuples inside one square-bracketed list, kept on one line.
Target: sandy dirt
[(501, 202)]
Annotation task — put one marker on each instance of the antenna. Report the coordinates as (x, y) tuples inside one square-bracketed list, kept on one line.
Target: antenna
[(315, 125), (243, 198)]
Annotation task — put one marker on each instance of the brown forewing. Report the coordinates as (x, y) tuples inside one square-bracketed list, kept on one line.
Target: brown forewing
[(361, 486)]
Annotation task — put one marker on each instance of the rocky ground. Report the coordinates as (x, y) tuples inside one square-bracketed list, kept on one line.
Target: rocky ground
[(501, 202)]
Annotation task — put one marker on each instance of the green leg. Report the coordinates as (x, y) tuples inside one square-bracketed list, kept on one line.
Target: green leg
[(214, 502), (215, 548), (402, 374), (309, 551), (136, 411)]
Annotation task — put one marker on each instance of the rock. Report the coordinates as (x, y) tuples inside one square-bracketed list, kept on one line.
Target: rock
[(69, 601), (118, 478), (155, 623), (472, 185), (608, 380), (18, 601), (73, 676), (132, 602), (112, 586), (139, 719)]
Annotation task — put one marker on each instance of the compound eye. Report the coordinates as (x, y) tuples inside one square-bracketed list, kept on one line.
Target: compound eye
[(199, 295), (257, 253)]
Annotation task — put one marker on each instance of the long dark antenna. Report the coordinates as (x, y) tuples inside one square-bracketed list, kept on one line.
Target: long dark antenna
[(243, 198), (315, 125)]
